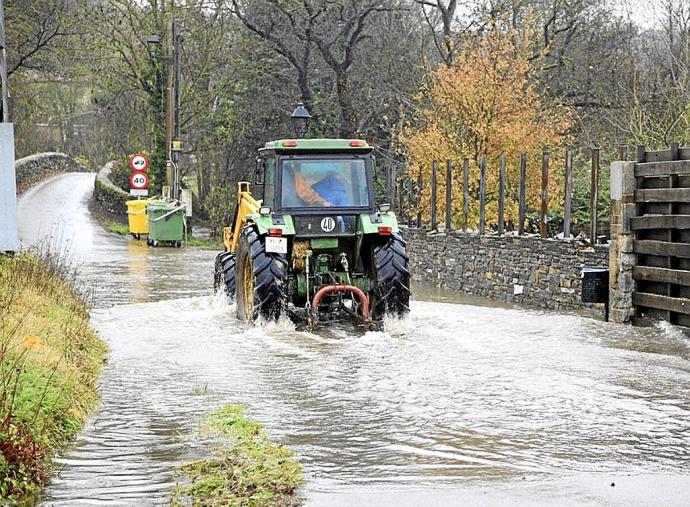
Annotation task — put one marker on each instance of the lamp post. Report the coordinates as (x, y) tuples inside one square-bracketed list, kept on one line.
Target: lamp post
[(173, 144), (300, 120)]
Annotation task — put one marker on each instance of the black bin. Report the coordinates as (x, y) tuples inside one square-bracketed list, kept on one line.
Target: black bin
[(595, 284)]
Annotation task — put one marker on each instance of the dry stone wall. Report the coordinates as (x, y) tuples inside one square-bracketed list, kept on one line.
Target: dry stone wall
[(108, 196), (519, 269), (34, 168)]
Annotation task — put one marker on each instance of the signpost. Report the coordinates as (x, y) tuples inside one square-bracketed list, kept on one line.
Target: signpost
[(139, 179)]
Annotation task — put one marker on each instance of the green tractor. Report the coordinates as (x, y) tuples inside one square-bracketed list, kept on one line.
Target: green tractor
[(315, 247)]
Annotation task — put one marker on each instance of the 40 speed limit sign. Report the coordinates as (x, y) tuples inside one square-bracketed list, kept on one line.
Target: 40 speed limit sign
[(138, 180)]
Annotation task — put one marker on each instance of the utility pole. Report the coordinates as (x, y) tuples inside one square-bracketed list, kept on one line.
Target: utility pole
[(173, 144), (176, 145), (169, 116)]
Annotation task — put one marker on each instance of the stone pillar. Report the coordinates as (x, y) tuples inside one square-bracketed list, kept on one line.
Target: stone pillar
[(622, 259)]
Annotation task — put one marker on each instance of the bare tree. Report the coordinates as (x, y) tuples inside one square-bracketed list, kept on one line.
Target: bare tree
[(443, 12)]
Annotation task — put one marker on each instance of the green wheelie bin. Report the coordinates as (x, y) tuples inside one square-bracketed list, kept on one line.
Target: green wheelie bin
[(166, 223)]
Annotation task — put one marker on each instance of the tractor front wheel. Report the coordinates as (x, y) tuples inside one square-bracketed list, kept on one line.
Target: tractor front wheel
[(391, 294), (261, 279), (225, 273)]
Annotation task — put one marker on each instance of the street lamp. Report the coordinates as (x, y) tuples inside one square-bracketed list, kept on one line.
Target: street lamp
[(300, 120), (152, 43)]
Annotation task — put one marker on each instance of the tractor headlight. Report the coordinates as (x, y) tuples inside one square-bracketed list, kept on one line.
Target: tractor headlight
[(264, 210), (385, 208)]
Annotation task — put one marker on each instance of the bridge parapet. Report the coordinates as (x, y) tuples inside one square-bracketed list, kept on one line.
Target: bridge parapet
[(34, 168)]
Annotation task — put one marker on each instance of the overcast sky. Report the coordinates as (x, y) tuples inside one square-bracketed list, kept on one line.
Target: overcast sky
[(643, 12)]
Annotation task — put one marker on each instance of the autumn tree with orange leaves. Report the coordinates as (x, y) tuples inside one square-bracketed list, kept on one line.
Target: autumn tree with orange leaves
[(487, 102)]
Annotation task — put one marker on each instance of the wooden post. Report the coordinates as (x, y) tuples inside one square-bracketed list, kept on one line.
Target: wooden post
[(449, 197), (406, 179), (672, 290), (434, 170), (501, 192), (623, 152), (543, 229), (482, 194), (465, 193), (594, 192), (396, 204), (389, 184), (568, 200), (522, 205), (419, 198)]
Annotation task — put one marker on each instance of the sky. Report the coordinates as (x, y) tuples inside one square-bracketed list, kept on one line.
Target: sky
[(644, 13)]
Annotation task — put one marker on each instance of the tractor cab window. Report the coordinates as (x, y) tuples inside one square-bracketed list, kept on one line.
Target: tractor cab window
[(269, 182), (315, 183)]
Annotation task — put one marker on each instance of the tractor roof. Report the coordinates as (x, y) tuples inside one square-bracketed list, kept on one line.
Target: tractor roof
[(318, 145)]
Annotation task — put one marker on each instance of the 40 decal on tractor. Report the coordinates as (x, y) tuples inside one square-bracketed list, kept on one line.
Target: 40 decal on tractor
[(315, 247)]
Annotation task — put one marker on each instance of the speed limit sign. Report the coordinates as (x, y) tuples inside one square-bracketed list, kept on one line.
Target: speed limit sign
[(138, 162), (138, 180)]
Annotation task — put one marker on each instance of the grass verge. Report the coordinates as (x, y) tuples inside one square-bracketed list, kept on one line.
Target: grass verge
[(248, 471), (50, 361), (116, 228), (205, 244)]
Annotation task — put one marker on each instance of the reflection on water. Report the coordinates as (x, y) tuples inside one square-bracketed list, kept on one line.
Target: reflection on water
[(454, 405), (138, 255)]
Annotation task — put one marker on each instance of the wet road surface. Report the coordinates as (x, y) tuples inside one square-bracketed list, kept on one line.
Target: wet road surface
[(458, 404)]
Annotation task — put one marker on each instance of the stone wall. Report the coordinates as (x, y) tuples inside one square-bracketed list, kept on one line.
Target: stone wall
[(526, 270), (34, 168), (109, 197)]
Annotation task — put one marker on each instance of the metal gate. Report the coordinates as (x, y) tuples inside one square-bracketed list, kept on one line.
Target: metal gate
[(662, 235)]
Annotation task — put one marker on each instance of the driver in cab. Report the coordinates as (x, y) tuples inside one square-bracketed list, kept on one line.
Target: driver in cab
[(329, 191)]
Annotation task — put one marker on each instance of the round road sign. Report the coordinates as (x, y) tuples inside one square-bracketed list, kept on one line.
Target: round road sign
[(138, 162), (138, 180)]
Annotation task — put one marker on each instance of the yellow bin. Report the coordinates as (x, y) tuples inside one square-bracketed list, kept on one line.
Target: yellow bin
[(136, 215)]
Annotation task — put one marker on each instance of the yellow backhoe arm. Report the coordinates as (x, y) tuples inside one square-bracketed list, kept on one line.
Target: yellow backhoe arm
[(246, 205)]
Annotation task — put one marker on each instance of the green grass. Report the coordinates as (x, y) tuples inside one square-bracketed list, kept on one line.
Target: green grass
[(116, 228), (247, 471), (205, 244), (50, 361)]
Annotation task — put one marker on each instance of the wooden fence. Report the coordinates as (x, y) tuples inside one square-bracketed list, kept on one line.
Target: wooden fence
[(404, 190), (662, 235)]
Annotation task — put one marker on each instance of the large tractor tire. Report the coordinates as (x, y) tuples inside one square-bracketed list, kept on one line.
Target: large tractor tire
[(391, 294), (261, 279), (225, 274)]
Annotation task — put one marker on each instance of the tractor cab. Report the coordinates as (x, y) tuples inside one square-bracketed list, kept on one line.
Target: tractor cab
[(317, 176)]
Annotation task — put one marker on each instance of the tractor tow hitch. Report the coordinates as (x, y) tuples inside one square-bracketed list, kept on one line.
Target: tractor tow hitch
[(364, 318)]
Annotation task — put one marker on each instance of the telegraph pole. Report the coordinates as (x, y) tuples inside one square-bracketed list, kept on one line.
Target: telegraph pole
[(173, 144), (176, 145)]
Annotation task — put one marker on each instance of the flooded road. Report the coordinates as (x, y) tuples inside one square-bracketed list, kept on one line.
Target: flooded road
[(457, 404)]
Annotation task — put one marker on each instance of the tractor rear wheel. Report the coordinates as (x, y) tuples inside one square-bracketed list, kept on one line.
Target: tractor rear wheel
[(261, 279), (225, 273), (391, 294)]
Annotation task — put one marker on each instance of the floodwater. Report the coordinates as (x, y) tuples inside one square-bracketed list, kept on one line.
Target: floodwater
[(459, 404)]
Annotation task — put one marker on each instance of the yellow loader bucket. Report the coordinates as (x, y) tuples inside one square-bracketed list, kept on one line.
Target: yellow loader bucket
[(136, 215)]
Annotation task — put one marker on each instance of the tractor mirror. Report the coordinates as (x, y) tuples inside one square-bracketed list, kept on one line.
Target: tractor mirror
[(259, 171)]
